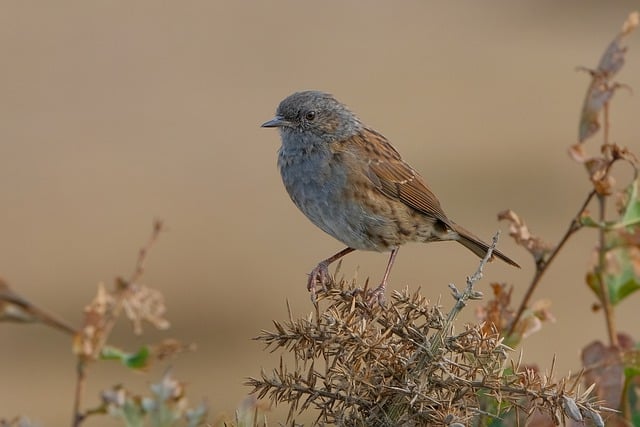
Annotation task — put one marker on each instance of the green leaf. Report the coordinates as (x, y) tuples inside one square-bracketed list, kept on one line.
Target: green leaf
[(633, 401), (624, 283), (619, 286), (132, 414), (587, 221), (631, 214), (197, 416), (635, 418), (129, 412), (632, 364), (622, 261), (139, 360), (593, 282), (111, 353), (495, 413)]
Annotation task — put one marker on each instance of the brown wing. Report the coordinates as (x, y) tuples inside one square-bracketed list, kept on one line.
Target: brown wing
[(396, 179)]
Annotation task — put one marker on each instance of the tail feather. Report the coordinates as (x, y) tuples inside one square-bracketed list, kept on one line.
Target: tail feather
[(477, 246)]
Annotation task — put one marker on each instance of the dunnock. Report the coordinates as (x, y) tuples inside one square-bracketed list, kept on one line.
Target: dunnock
[(353, 184)]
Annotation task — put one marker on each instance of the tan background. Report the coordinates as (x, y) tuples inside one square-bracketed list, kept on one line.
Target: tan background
[(113, 113)]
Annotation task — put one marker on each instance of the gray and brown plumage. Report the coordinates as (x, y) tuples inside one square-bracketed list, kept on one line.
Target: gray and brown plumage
[(353, 184)]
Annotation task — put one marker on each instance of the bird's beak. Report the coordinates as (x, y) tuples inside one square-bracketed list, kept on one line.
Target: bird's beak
[(276, 122)]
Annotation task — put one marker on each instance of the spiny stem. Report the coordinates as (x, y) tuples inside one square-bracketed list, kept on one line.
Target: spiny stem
[(462, 297)]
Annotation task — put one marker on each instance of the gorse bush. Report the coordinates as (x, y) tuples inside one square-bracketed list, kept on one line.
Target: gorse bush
[(354, 362), (404, 364)]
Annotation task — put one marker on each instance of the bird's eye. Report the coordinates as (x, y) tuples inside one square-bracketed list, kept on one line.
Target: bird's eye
[(310, 115)]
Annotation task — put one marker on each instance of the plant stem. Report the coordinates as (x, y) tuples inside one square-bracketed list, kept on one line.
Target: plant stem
[(122, 287), (602, 252), (461, 298), (78, 417), (543, 265), (604, 291)]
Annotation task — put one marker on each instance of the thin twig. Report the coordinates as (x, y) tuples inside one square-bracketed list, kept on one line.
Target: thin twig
[(602, 203), (604, 291), (122, 286), (542, 265), (158, 227), (81, 375), (462, 297), (469, 293), (605, 126)]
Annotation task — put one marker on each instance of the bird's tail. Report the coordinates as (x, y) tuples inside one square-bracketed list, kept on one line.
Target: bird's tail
[(477, 246)]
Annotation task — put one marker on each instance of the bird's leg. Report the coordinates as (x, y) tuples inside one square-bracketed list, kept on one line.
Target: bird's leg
[(320, 273), (378, 293)]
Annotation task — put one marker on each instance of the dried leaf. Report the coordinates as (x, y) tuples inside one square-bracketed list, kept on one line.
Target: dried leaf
[(597, 168), (611, 371), (142, 303), (497, 312), (601, 88), (599, 93), (618, 152), (605, 185), (520, 232), (578, 153), (171, 347), (631, 23), (603, 367), (531, 321), (96, 315)]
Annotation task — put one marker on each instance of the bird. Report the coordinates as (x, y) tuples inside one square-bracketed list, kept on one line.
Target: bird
[(353, 184)]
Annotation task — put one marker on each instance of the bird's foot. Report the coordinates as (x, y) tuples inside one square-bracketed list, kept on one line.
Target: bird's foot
[(318, 277), (377, 295)]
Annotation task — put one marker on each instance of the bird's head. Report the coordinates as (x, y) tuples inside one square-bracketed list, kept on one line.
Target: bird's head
[(314, 114)]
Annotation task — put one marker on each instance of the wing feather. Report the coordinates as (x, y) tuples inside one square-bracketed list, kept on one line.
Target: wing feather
[(396, 179)]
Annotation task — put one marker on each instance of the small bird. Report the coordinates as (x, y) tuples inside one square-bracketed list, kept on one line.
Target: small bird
[(352, 183)]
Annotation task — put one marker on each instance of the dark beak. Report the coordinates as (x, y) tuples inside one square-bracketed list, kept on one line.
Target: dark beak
[(276, 122)]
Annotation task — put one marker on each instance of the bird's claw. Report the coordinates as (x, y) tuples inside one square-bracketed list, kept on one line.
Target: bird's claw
[(318, 276), (377, 295)]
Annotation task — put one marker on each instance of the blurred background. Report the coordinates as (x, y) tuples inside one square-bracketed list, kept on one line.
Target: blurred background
[(116, 113)]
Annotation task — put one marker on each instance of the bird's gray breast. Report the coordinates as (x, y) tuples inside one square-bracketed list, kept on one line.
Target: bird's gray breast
[(318, 184)]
